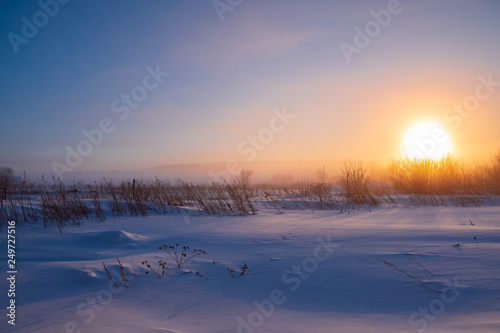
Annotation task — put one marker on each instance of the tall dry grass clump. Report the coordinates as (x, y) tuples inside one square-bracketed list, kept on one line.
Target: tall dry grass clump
[(136, 196), (114, 197), (425, 175), (60, 206), (95, 194), (493, 172), (18, 204), (354, 183), (445, 176)]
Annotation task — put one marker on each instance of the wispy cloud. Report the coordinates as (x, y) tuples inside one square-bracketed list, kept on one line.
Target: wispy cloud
[(240, 42)]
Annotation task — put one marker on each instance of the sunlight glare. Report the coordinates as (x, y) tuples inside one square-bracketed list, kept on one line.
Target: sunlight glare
[(427, 139)]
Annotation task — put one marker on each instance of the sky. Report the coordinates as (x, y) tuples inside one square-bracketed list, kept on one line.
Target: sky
[(93, 86)]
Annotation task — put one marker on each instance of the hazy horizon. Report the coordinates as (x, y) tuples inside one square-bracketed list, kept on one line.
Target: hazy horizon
[(120, 86), (274, 172)]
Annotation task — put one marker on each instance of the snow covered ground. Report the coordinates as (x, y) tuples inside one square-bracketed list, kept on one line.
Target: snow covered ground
[(388, 269)]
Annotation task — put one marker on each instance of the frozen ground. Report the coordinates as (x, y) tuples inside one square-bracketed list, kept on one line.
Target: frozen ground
[(308, 272)]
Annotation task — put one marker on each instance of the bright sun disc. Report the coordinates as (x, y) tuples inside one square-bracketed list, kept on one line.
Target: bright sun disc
[(426, 139)]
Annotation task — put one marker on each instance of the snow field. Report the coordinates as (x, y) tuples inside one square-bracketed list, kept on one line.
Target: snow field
[(307, 272)]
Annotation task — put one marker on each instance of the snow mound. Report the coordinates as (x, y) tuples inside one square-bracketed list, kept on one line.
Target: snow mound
[(115, 236), (84, 276)]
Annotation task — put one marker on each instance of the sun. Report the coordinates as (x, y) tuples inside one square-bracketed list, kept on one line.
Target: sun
[(426, 139)]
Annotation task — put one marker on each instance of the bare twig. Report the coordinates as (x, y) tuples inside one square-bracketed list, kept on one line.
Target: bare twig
[(422, 283), (108, 274), (420, 265)]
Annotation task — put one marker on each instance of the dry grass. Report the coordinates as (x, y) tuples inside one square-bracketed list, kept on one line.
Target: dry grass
[(446, 176), (57, 204), (423, 182), (354, 184)]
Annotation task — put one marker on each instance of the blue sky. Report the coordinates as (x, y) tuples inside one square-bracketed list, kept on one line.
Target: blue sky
[(226, 77)]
